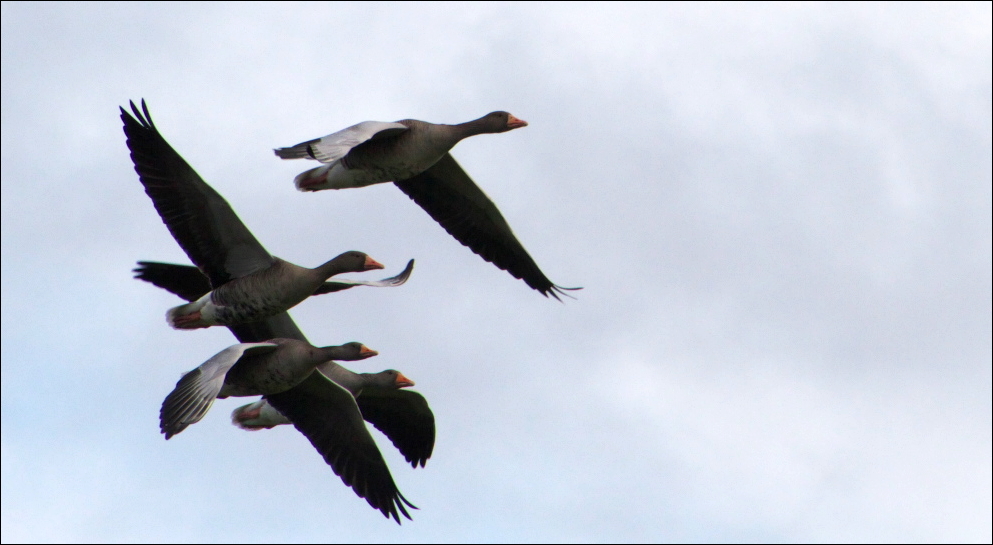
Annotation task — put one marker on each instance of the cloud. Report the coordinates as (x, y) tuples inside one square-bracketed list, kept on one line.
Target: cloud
[(780, 217)]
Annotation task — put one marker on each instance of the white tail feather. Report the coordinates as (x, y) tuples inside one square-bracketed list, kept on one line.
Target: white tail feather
[(313, 179), (266, 418), (175, 314)]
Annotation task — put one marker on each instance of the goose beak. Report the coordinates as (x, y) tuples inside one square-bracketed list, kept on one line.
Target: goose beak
[(515, 123), (366, 352), (371, 264), (402, 381)]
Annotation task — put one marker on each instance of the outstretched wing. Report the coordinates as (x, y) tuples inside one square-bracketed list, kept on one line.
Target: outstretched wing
[(182, 280), (334, 146), (199, 219), (450, 196), (327, 414), (405, 417), (196, 391)]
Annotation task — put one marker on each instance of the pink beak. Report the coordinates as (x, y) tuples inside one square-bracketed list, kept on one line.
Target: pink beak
[(371, 264), (516, 123), (403, 382), (367, 352)]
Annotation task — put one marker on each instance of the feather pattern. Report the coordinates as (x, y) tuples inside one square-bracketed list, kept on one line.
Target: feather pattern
[(334, 146), (195, 392)]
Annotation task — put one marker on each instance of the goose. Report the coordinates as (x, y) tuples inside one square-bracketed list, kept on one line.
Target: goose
[(247, 369), (223, 248), (403, 415), (265, 292), (414, 155), (189, 280), (260, 415)]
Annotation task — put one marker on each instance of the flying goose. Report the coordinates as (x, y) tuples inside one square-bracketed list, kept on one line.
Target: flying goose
[(247, 369), (189, 280), (414, 155), (260, 415), (263, 293)]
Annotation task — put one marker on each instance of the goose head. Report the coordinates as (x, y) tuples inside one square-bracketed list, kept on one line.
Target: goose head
[(497, 122), (353, 351)]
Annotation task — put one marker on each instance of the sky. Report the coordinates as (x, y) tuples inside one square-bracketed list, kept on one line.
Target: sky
[(780, 216)]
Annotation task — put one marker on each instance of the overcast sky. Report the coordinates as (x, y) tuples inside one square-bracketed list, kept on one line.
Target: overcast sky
[(780, 215)]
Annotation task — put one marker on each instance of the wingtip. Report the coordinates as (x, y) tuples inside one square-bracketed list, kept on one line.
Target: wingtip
[(141, 269), (398, 503), (169, 427), (404, 275), (394, 508), (556, 290), (415, 462), (141, 115)]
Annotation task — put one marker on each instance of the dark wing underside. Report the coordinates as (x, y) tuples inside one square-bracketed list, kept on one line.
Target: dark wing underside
[(182, 280), (449, 196), (199, 219), (327, 414), (404, 417)]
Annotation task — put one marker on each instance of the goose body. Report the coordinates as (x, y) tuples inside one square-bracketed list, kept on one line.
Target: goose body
[(223, 248), (263, 293), (415, 156), (247, 369)]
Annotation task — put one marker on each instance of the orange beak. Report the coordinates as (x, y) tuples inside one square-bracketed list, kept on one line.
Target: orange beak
[(366, 352), (402, 381), (516, 123), (371, 264)]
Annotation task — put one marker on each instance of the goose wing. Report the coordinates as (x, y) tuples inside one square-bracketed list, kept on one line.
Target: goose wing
[(195, 392), (200, 220), (405, 417), (182, 280), (450, 196), (327, 414), (343, 284), (334, 146)]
